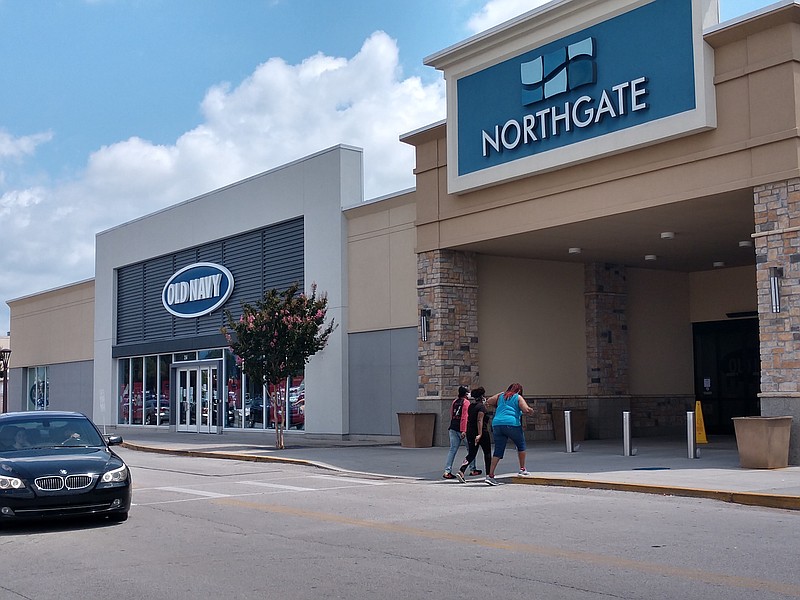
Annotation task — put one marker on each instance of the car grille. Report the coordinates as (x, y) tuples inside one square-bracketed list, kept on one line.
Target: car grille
[(55, 483)]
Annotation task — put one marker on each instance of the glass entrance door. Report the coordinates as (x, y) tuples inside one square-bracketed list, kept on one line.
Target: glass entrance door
[(197, 397)]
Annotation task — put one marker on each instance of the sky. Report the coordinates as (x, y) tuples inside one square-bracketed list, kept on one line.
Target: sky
[(114, 109)]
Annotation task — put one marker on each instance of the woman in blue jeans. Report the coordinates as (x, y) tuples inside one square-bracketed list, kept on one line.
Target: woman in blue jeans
[(506, 425), (458, 431)]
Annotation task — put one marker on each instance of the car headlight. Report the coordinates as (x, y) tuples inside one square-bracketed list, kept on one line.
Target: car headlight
[(116, 476), (10, 483)]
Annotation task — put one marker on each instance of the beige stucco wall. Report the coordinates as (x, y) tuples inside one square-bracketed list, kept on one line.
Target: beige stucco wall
[(382, 264), (714, 294), (659, 333), (545, 347), (57, 326)]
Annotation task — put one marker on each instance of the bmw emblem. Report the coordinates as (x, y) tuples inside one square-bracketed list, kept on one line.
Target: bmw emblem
[(63, 471)]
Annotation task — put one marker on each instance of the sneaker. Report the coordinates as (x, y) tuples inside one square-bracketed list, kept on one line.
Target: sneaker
[(523, 472), (448, 476), (460, 476), (491, 480), (475, 472)]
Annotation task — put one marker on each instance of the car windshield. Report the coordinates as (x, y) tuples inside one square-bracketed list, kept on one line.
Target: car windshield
[(47, 432)]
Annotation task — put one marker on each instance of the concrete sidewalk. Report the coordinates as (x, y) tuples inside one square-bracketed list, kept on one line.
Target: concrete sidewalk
[(660, 466)]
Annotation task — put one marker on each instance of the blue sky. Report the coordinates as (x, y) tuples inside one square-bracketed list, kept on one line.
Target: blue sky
[(112, 109)]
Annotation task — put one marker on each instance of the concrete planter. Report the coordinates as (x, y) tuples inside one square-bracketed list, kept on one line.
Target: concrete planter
[(416, 429), (763, 442)]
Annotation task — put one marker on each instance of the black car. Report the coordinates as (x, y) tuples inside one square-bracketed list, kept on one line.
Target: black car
[(58, 464)]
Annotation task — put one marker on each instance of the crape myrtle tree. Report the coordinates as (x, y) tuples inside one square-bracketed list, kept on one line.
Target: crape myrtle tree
[(274, 338)]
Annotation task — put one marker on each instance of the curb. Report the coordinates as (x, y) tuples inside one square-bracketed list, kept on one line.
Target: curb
[(745, 498), (257, 458)]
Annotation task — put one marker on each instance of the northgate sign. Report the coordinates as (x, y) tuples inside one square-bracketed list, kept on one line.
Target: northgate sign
[(636, 78)]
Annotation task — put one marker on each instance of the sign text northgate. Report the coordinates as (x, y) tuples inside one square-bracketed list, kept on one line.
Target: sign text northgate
[(197, 289), (585, 111)]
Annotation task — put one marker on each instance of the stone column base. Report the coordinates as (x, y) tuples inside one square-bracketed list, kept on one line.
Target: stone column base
[(605, 416)]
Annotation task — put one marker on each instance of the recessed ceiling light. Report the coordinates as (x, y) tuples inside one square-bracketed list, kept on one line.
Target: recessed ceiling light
[(574, 250), (650, 257), (719, 263), (667, 235), (746, 244)]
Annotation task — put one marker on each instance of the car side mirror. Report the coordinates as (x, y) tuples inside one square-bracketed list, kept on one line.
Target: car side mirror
[(113, 440)]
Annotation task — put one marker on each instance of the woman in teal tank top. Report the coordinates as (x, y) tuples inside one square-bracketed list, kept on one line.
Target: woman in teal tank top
[(507, 425)]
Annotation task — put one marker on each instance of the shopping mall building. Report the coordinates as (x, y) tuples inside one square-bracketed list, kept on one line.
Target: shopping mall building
[(609, 215)]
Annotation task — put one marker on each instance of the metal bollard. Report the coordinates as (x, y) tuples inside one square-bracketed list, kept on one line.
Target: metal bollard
[(568, 429), (691, 435), (626, 433)]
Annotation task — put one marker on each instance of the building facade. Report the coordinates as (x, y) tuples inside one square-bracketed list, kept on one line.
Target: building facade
[(617, 234), (608, 216)]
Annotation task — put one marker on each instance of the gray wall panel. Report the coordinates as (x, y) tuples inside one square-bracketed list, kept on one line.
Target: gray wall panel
[(383, 379), (71, 386)]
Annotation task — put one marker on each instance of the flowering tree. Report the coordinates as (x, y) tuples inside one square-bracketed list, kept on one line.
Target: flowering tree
[(275, 338)]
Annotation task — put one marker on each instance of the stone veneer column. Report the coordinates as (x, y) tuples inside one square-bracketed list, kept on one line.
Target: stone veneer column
[(606, 301), (777, 241), (447, 284)]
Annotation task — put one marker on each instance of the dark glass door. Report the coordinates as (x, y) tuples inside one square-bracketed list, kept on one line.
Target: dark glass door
[(727, 372)]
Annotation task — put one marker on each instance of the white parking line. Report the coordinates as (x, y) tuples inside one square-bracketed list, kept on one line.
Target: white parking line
[(278, 486), (193, 492), (350, 480)]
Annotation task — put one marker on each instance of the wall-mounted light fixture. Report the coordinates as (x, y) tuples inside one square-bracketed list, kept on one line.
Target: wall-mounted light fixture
[(775, 276), (574, 250), (424, 316)]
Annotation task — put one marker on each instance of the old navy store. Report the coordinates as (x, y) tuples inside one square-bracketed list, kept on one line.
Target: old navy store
[(167, 298)]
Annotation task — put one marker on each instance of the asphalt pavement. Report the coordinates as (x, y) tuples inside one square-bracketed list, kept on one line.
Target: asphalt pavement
[(655, 466)]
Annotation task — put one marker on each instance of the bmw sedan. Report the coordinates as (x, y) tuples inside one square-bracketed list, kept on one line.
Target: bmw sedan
[(58, 464)]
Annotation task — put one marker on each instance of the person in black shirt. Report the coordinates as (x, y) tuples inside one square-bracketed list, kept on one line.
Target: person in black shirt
[(477, 433)]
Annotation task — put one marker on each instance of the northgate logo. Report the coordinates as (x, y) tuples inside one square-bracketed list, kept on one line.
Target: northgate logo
[(551, 75)]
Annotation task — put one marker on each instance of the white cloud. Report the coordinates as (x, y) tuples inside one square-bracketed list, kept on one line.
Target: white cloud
[(280, 113), (499, 11), (11, 147)]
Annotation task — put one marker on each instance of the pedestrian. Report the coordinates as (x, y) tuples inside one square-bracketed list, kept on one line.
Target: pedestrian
[(507, 425), (477, 434), (457, 430)]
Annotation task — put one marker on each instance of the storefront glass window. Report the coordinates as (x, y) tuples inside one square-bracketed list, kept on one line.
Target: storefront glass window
[(151, 390), (255, 408), (137, 382), (124, 391), (38, 388), (144, 396), (164, 362), (234, 407)]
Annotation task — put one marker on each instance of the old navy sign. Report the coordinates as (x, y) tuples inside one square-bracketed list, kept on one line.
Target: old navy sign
[(197, 290), (633, 79)]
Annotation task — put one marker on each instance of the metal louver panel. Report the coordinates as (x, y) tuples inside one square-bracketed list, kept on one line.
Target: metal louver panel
[(270, 257)]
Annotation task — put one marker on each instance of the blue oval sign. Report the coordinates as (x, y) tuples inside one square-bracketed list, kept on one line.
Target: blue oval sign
[(197, 290)]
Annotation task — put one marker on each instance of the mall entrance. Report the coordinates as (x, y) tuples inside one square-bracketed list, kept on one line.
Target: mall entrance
[(197, 393), (727, 372)]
